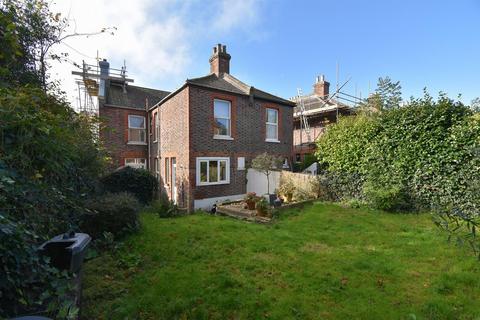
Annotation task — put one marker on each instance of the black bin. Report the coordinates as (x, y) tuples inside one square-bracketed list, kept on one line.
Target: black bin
[(66, 251)]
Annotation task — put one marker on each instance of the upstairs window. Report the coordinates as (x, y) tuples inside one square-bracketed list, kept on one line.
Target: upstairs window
[(136, 129), (222, 116), (272, 125)]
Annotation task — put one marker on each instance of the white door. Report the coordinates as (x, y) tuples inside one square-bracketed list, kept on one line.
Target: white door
[(174, 180)]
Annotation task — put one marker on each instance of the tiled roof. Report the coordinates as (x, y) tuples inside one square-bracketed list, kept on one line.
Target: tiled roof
[(229, 83), (133, 96)]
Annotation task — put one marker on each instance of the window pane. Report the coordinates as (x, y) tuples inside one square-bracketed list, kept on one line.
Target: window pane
[(272, 115), (129, 161), (203, 171), (223, 170), (271, 131), (222, 109), (213, 168), (136, 122), (222, 127), (137, 135)]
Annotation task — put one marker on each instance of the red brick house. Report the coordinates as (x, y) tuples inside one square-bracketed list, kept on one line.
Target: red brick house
[(320, 110), (200, 138)]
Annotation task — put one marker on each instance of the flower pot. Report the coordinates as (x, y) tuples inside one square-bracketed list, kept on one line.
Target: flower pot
[(250, 204)]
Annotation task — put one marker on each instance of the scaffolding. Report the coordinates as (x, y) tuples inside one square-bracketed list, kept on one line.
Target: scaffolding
[(89, 81), (337, 98)]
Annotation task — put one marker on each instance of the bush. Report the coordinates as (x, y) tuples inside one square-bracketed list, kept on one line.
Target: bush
[(114, 213), (388, 198), (27, 282), (286, 188), (139, 182), (338, 186), (164, 208)]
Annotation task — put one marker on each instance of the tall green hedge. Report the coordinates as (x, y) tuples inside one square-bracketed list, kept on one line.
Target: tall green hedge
[(425, 155)]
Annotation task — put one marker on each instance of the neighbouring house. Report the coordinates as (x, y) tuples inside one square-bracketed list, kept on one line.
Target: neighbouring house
[(199, 139), (320, 110), (123, 110)]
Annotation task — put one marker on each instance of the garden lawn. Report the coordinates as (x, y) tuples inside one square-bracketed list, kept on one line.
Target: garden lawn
[(319, 262)]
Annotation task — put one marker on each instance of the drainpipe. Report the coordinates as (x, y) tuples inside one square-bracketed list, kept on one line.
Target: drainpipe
[(148, 134)]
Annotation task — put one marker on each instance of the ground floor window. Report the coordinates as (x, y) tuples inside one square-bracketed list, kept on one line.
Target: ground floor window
[(213, 170), (138, 163)]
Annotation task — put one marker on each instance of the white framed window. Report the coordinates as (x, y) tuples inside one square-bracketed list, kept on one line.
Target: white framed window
[(222, 115), (212, 171), (271, 125), (241, 163), (138, 163), (136, 129)]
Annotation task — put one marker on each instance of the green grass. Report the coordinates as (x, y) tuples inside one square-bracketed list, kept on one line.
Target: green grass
[(322, 262)]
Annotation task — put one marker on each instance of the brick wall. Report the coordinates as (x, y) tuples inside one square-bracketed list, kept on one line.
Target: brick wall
[(174, 142), (114, 134), (248, 132)]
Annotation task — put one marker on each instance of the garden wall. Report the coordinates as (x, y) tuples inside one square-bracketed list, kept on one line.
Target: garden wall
[(257, 181)]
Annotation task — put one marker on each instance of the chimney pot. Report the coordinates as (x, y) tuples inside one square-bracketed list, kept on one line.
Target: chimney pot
[(220, 60), (321, 87)]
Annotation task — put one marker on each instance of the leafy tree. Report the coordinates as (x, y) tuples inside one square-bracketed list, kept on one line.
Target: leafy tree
[(389, 92), (29, 31), (475, 105), (266, 163)]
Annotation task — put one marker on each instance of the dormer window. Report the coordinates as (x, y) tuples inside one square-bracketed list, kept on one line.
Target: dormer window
[(222, 115)]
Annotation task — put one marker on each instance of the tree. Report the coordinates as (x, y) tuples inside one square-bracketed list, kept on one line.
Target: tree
[(29, 31), (475, 104), (389, 92), (266, 163)]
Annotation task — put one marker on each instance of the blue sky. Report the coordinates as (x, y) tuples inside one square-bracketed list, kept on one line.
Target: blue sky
[(280, 46)]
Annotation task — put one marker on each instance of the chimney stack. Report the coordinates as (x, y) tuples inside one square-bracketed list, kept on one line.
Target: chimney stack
[(220, 60), (104, 73), (321, 87)]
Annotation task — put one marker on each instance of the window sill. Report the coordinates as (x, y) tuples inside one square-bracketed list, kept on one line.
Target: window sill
[(206, 184), (222, 137), (272, 140), (138, 143)]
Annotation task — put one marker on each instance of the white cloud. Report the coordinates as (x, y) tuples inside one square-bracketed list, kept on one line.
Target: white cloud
[(156, 38)]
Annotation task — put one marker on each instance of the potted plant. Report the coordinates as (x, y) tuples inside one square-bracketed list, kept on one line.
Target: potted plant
[(250, 200), (262, 207), (287, 189)]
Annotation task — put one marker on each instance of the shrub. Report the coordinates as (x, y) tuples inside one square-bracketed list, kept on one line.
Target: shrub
[(338, 186), (301, 194), (387, 198), (164, 208), (262, 206), (139, 182), (286, 188), (27, 282), (114, 213)]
